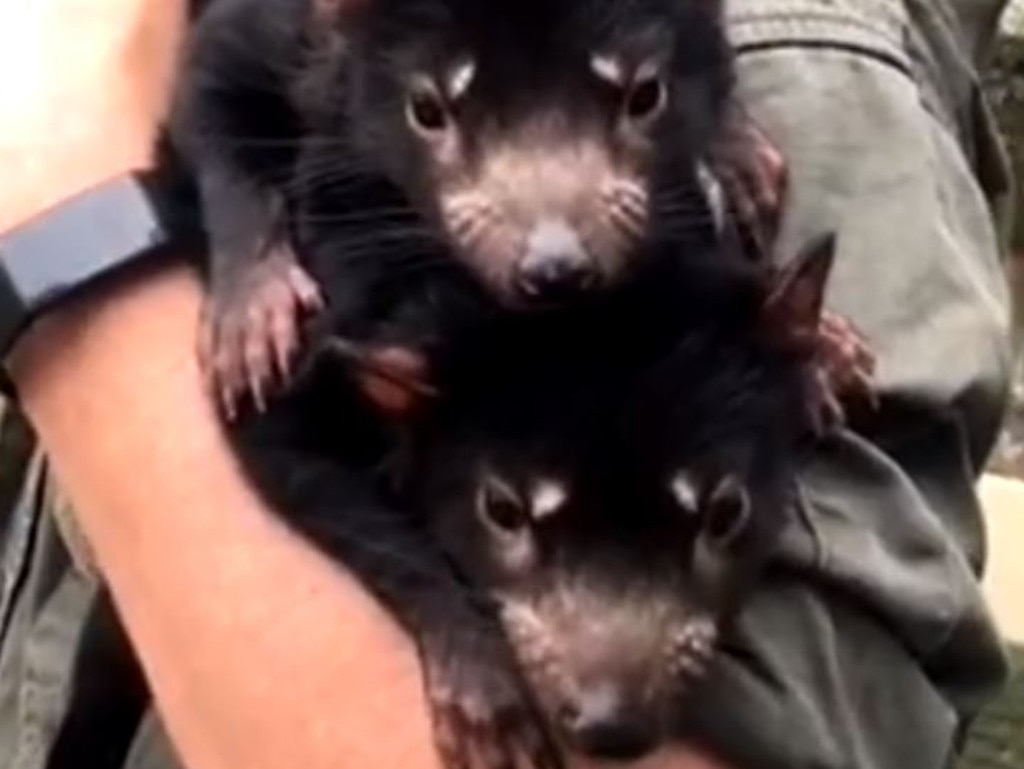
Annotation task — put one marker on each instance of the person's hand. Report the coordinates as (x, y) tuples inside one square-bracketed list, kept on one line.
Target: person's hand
[(84, 85)]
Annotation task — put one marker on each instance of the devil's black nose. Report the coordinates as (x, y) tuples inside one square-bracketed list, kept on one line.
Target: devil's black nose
[(553, 279), (556, 266), (619, 740), (603, 728)]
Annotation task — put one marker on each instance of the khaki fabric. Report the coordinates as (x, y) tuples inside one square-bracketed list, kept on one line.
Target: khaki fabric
[(869, 646)]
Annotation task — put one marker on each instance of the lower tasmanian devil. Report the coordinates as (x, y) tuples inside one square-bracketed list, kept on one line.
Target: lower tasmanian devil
[(612, 483), (613, 474)]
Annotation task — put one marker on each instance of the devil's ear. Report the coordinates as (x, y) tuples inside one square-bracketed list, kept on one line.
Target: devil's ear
[(394, 380), (324, 10), (338, 14), (795, 298)]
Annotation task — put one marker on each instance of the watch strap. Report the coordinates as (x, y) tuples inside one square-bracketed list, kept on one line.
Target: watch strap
[(70, 247)]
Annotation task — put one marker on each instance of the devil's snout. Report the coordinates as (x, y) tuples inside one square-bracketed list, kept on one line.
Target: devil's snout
[(556, 266), (604, 725)]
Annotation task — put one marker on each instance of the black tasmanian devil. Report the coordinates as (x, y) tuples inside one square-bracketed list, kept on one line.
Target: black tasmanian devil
[(612, 483), (564, 528), (398, 150)]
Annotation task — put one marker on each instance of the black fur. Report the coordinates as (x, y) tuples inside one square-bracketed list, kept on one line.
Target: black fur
[(617, 395), (295, 127), (612, 403), (294, 120)]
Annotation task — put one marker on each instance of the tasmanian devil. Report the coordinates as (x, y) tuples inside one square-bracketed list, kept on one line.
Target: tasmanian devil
[(616, 502), (651, 433), (393, 149)]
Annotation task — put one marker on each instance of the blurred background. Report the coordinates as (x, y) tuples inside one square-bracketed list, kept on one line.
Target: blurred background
[(997, 741)]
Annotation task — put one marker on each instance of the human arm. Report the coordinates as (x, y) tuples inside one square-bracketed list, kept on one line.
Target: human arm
[(111, 387), (310, 671)]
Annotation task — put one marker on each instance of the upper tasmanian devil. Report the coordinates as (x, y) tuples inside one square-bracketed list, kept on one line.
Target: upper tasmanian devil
[(541, 143)]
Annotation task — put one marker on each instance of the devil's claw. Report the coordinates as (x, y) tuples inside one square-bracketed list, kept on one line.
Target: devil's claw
[(251, 329), (754, 174), (843, 372), (847, 359)]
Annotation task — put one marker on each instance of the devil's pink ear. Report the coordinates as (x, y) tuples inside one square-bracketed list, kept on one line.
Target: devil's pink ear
[(792, 309), (335, 12), (399, 402), (393, 379)]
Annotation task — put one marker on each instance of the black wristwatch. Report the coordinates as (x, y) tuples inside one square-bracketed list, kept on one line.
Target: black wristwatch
[(84, 241)]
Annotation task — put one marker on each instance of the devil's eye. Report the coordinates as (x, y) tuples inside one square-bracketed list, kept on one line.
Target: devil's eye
[(685, 491), (501, 508), (426, 111), (728, 512), (646, 98)]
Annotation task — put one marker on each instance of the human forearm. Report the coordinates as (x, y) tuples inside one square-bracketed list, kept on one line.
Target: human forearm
[(260, 653)]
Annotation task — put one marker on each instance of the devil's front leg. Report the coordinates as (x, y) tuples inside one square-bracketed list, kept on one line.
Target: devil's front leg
[(753, 173), (839, 364), (257, 294), (479, 705), (235, 122)]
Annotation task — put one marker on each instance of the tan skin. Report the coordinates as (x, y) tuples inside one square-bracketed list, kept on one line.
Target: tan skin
[(211, 587)]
